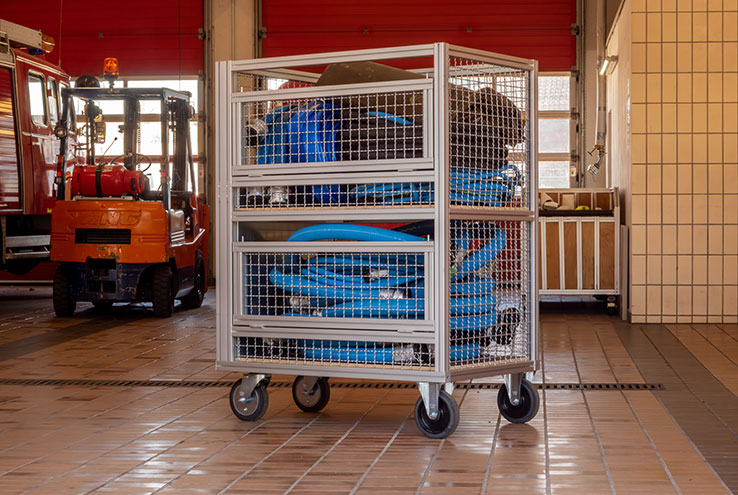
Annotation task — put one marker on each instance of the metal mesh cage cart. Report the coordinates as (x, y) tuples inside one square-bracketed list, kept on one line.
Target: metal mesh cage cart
[(376, 215)]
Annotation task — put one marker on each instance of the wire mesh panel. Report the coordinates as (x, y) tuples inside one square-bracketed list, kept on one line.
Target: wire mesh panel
[(488, 134), (335, 284), (489, 291)]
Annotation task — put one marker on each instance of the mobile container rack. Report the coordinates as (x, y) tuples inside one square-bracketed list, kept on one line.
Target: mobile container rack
[(376, 219)]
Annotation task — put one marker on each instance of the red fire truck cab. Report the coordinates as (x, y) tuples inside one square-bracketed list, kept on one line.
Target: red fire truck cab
[(29, 110)]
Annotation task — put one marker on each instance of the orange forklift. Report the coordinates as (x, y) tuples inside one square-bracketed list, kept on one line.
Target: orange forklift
[(121, 232)]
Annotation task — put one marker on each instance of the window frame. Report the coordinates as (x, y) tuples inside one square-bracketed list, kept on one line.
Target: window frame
[(559, 115), (52, 85), (38, 75)]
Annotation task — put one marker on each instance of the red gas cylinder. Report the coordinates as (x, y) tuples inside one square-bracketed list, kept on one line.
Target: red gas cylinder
[(107, 180)]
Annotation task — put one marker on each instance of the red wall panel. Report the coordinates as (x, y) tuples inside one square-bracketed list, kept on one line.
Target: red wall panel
[(539, 29), (147, 37)]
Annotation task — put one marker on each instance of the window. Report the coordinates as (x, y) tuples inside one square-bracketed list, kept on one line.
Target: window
[(554, 125), (53, 92), (37, 98), (71, 114)]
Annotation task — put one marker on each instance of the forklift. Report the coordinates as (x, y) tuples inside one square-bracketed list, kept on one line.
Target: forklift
[(120, 232)]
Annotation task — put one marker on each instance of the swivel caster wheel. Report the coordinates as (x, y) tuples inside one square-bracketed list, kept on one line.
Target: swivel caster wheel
[(310, 394), (446, 421), (252, 407), (527, 407)]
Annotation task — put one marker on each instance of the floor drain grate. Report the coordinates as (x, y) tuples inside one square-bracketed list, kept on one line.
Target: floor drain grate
[(277, 384)]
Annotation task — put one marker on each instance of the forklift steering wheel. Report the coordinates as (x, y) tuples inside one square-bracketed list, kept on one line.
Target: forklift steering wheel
[(139, 158)]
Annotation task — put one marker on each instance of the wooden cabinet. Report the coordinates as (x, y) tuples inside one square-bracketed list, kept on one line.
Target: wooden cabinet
[(579, 249)]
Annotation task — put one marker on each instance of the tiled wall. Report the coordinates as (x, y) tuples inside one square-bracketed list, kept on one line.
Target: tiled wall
[(684, 176)]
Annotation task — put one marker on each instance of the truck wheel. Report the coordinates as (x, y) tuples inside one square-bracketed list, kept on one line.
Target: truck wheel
[(64, 303), (194, 299), (163, 294)]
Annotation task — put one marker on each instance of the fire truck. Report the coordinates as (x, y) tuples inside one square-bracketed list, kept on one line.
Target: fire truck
[(29, 110)]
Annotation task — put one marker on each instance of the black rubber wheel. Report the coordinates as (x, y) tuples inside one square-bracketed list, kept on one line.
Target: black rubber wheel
[(523, 412), (312, 400), (193, 300), (163, 291), (64, 303), (249, 408), (102, 305), (444, 424)]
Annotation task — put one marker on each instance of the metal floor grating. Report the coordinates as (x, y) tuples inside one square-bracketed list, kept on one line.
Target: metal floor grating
[(281, 384)]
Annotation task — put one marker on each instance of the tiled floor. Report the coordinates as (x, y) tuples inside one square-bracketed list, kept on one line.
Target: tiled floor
[(76, 439)]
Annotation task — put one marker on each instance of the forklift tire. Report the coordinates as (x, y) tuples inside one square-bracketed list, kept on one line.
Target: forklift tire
[(163, 293), (64, 303), (193, 300)]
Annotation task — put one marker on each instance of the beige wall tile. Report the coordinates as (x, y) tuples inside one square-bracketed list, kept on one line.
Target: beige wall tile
[(684, 209), (638, 118), (653, 239), (638, 318), (699, 152), (684, 117), (699, 57), (730, 56), (669, 235), (699, 269), (715, 148), (699, 26), (653, 299), (638, 6), (638, 269), (684, 239), (653, 57), (730, 301), (668, 6), (730, 178), (669, 124), (669, 57), (699, 300), (669, 174), (684, 270), (638, 27), (653, 152), (653, 88), (653, 209), (730, 239), (714, 57), (715, 208), (684, 87), (730, 117), (699, 87), (730, 269), (684, 300), (684, 58), (699, 176), (638, 300), (714, 270), (669, 271), (684, 148), (715, 239), (668, 27), (653, 5), (653, 118), (638, 207), (638, 63), (730, 89), (684, 5), (699, 239), (714, 4), (699, 117), (653, 27), (669, 300), (638, 179), (715, 87), (714, 178), (715, 300), (669, 211), (730, 26), (714, 117), (638, 148), (715, 26), (653, 270), (638, 239), (730, 148), (684, 26), (730, 214), (699, 5)]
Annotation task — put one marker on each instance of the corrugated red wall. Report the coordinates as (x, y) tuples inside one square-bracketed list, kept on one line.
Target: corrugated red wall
[(149, 38), (539, 29)]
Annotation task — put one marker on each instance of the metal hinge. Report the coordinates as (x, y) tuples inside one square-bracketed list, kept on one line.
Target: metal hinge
[(262, 32), (201, 34), (575, 29)]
